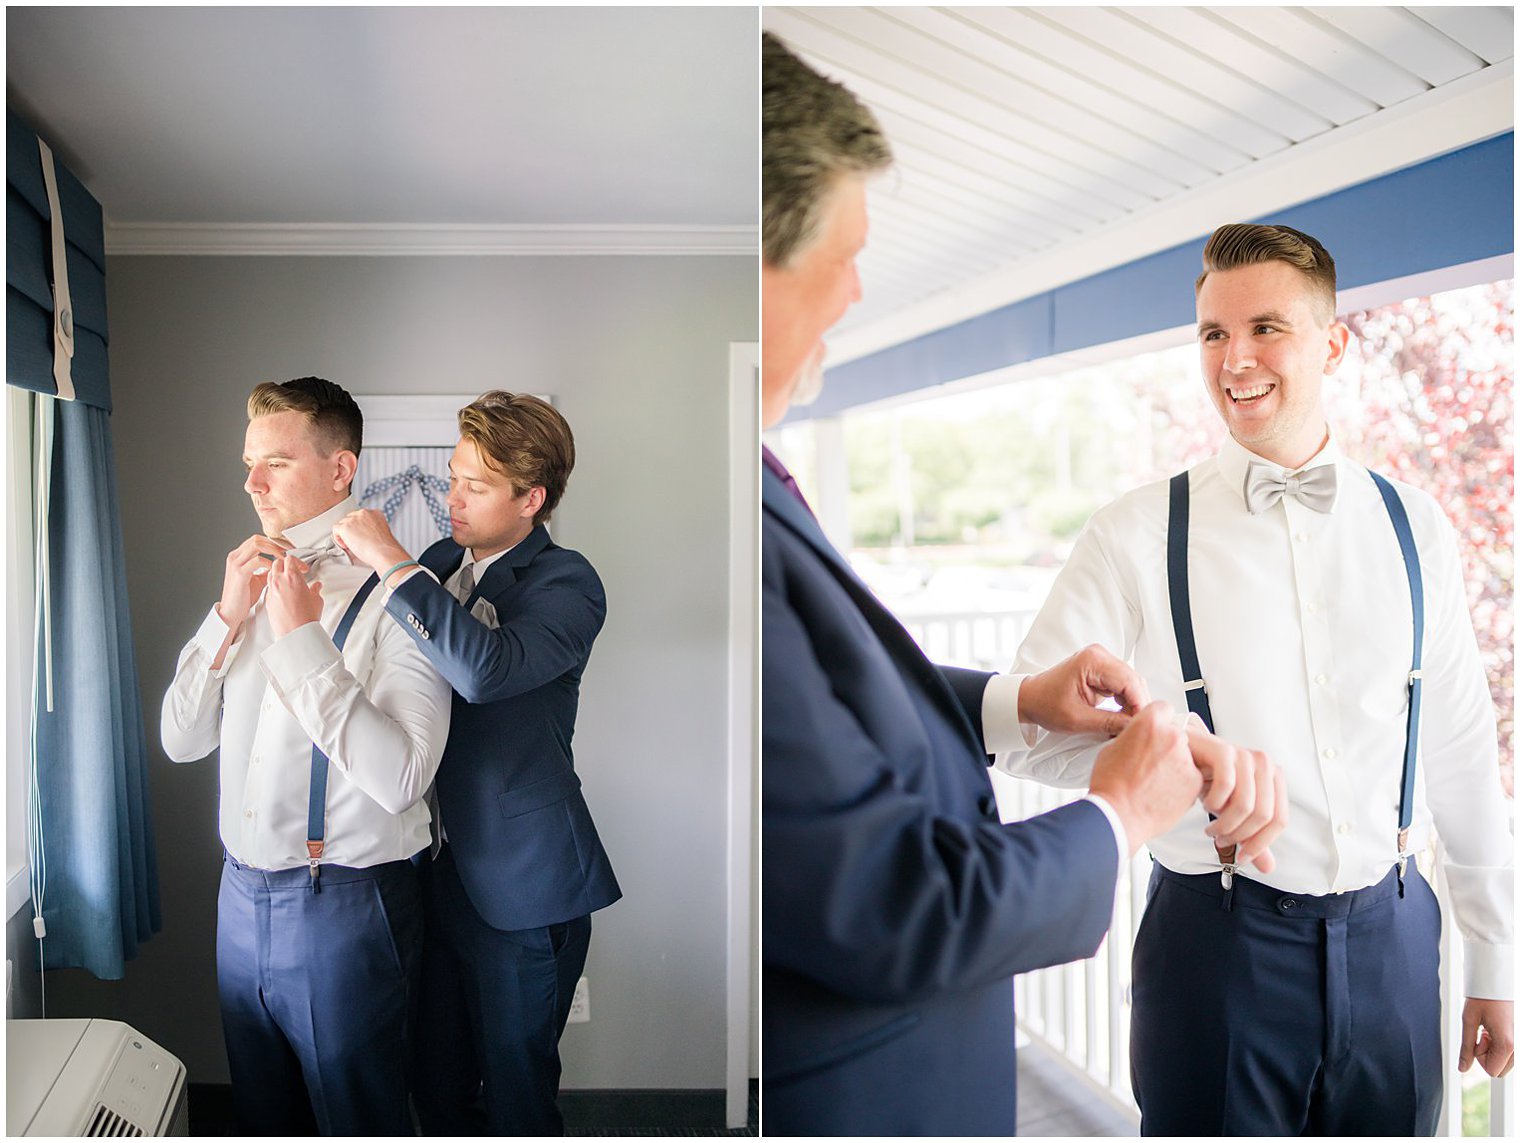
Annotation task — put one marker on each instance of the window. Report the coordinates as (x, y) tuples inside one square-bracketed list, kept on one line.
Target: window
[(19, 596)]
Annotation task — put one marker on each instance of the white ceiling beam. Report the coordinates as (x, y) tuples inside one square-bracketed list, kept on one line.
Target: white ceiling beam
[(1082, 103), (1125, 31), (1112, 66), (1485, 30), (1466, 111), (1329, 51), (1267, 65), (1405, 39), (848, 59)]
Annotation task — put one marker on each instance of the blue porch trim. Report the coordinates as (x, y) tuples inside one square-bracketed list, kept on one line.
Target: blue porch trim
[(1446, 211)]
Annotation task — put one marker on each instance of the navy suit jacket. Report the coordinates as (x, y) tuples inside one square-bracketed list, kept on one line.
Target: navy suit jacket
[(511, 804), (896, 908)]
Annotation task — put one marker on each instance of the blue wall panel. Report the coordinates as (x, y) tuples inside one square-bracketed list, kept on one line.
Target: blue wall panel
[(1020, 332)]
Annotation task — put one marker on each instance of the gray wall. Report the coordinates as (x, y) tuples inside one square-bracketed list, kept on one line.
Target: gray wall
[(635, 353)]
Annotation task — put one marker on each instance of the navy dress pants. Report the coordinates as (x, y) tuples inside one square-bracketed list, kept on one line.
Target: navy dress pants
[(318, 994), (1287, 1014), (494, 1003)]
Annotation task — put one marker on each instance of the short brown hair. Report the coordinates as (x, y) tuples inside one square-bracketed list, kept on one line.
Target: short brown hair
[(333, 413), (525, 439), (813, 131), (1239, 244)]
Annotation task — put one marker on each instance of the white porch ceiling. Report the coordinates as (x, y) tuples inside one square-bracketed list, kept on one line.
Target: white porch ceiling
[(401, 128), (1037, 145)]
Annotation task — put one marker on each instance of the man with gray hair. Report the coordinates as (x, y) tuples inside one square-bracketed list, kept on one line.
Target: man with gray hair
[(896, 906), (1327, 623)]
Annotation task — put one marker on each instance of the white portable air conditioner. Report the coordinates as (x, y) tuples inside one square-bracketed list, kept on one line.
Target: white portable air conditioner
[(90, 1078)]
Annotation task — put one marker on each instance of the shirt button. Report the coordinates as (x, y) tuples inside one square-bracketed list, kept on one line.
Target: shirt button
[(1343, 828), (1321, 679), (1312, 608), (1301, 537), (248, 813), (1329, 754)]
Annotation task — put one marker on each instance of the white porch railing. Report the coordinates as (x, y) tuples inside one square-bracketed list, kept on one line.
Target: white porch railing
[(988, 640), (1081, 1010)]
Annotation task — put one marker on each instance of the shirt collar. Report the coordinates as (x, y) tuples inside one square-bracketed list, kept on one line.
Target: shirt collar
[(1234, 458), (316, 533), (481, 565)]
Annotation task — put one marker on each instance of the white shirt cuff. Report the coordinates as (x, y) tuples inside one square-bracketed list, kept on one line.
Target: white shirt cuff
[(1120, 836), (297, 654), (1489, 971), (395, 583), (210, 637), (1002, 732)]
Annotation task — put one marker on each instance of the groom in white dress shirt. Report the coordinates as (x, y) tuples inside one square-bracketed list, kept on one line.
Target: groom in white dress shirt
[(319, 915), (1304, 1000)]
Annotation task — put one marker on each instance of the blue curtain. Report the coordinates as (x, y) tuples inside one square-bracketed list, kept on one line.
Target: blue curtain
[(101, 895), (102, 872)]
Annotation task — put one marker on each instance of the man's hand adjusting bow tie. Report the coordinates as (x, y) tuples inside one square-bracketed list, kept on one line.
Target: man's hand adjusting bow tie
[(291, 601)]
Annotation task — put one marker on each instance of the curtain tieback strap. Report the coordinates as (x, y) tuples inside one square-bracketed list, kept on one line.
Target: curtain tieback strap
[(63, 305)]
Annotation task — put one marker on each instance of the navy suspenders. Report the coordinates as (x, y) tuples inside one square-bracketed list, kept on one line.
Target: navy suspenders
[(1192, 675), (1182, 610), (316, 807), (1400, 519), (1193, 687)]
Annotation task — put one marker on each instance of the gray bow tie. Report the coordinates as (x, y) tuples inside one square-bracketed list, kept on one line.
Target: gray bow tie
[(310, 556), (1266, 485)]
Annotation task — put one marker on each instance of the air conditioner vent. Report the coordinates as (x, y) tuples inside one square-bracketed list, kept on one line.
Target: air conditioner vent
[(107, 1124), (93, 1078)]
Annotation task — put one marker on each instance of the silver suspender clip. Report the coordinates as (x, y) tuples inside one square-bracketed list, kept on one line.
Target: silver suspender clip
[(1404, 856), (1196, 685), (1413, 675), (314, 859), (1227, 875)]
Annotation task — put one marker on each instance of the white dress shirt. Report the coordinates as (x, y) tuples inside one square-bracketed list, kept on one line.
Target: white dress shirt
[(1304, 634), (379, 711)]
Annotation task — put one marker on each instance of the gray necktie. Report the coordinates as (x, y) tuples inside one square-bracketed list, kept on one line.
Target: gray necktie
[(1266, 484), (466, 583)]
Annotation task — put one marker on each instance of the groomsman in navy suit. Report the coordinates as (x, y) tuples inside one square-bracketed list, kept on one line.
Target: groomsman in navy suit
[(508, 618), (896, 906)]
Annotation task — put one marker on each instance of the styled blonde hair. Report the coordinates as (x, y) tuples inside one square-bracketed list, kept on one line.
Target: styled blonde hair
[(525, 439)]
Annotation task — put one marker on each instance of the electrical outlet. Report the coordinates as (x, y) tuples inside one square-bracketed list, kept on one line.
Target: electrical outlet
[(580, 1003)]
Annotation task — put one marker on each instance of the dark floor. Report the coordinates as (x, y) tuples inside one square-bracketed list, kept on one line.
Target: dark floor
[(585, 1112), (652, 1112), (1053, 1102)]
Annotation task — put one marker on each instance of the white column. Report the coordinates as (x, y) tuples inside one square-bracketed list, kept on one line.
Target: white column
[(832, 465)]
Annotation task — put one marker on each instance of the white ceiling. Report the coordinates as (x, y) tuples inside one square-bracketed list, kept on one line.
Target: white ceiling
[(463, 117), (1036, 145)]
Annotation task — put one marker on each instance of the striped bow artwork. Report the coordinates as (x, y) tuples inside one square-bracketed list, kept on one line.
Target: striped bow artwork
[(411, 498)]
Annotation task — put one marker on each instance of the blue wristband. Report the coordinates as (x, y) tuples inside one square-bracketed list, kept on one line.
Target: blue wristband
[(403, 564)]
